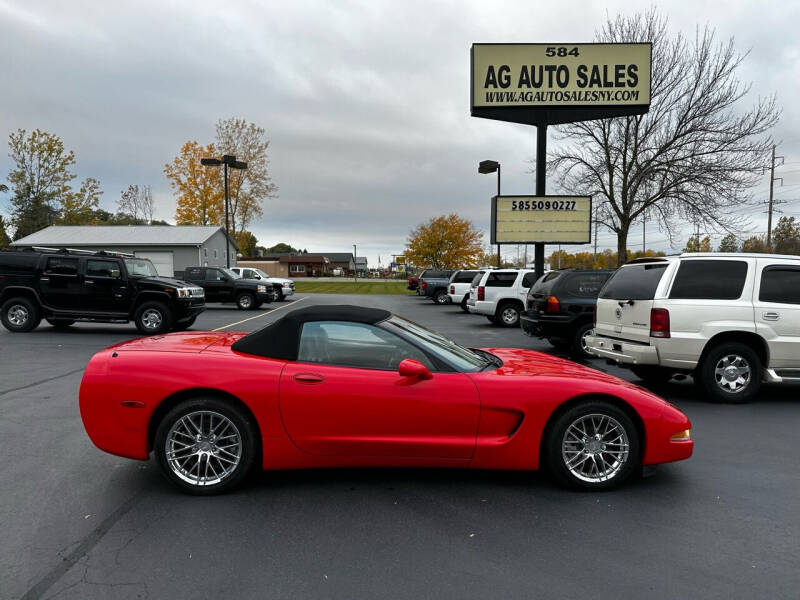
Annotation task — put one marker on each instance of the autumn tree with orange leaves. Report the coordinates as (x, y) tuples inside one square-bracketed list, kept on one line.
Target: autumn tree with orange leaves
[(200, 197), (445, 242)]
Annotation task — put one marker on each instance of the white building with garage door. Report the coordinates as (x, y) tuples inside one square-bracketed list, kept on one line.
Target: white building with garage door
[(170, 248)]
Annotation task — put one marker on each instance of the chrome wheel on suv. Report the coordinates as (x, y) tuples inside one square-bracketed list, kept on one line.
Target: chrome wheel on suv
[(730, 372), (18, 315), (509, 315)]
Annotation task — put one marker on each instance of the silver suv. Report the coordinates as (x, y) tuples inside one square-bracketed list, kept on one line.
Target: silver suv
[(730, 320)]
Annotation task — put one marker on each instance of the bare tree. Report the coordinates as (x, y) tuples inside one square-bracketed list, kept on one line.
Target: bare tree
[(693, 157), (137, 202), (251, 187)]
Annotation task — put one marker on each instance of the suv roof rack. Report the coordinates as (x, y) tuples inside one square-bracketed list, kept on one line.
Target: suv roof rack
[(647, 259), (48, 250)]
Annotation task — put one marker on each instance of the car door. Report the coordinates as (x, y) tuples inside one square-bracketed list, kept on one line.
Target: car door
[(345, 397), (217, 286), (104, 289), (776, 300), (60, 284)]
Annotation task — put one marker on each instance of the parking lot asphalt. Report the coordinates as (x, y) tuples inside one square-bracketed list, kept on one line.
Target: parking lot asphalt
[(79, 523)]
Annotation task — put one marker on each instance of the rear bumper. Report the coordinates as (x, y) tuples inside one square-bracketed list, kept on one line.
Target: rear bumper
[(456, 298), (481, 307), (622, 352)]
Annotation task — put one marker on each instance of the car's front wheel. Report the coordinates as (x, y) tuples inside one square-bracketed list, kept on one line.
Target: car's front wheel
[(731, 372), (245, 301), (206, 446), (20, 315), (152, 318), (592, 446)]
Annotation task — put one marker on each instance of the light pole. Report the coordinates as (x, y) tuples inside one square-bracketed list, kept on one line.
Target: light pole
[(490, 166), (355, 264), (227, 160)]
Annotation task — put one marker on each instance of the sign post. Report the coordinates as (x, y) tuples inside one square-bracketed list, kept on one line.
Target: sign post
[(550, 84)]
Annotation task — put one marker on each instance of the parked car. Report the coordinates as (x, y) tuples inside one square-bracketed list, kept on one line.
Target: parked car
[(413, 283), (560, 307), (458, 287), (500, 295), (730, 320), (223, 285), (349, 386), (65, 286), (284, 287), (433, 284)]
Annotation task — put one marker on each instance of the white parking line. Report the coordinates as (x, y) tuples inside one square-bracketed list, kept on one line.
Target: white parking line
[(259, 316)]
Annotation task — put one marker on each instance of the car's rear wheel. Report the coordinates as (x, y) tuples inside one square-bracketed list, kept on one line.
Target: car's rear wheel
[(61, 323), (20, 315), (245, 301), (206, 445), (592, 446), (508, 315), (441, 297), (731, 373), (464, 303), (578, 348), (153, 318)]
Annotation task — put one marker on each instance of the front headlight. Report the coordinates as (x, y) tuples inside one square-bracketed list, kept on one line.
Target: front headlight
[(286, 284), (262, 288), (189, 292)]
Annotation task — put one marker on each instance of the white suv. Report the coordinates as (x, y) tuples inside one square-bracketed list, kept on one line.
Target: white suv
[(500, 295), (458, 288), (286, 285), (731, 320)]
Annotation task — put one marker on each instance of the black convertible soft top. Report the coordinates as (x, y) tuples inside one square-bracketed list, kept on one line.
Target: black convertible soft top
[(281, 339)]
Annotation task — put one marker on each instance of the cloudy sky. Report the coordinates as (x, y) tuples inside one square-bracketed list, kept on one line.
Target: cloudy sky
[(366, 104)]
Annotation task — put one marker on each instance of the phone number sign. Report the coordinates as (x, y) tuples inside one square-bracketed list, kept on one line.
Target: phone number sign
[(541, 219)]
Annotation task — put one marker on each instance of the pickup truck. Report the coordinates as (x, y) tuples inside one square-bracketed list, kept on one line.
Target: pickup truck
[(433, 284), (223, 285), (284, 287), (65, 286)]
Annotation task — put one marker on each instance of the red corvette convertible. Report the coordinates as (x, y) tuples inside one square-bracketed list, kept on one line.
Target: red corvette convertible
[(346, 386)]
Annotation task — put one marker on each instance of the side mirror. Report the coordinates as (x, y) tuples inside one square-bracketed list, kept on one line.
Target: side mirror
[(413, 368)]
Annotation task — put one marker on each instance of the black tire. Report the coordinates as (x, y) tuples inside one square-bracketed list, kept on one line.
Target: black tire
[(245, 301), (464, 303), (717, 356), (20, 315), (441, 297), (61, 323), (557, 446), (244, 456), (578, 346), (652, 374), (152, 318), (504, 312), (184, 325)]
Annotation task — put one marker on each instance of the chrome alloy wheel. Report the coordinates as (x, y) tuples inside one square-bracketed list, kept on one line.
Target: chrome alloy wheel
[(245, 301), (152, 319), (732, 373), (595, 448), (584, 344), (509, 315), (18, 314), (203, 448)]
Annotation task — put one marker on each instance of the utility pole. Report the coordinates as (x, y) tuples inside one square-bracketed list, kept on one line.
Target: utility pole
[(595, 235), (355, 264), (644, 233), (772, 180)]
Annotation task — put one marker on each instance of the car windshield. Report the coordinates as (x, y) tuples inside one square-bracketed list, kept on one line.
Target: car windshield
[(458, 357), (140, 267), (261, 273), (634, 282), (231, 274)]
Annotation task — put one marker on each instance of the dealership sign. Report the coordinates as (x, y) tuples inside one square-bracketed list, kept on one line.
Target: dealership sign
[(541, 219), (559, 83)]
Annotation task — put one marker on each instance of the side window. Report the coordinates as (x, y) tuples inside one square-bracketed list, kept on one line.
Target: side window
[(355, 345), (780, 285), (215, 253), (528, 280), (102, 268), (501, 280), (465, 276), (709, 280), (585, 285), (205, 252), (248, 274), (214, 275), (194, 274), (57, 265)]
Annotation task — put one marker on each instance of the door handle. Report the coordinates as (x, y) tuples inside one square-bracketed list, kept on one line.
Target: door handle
[(44, 279), (771, 316), (309, 378), (88, 281)]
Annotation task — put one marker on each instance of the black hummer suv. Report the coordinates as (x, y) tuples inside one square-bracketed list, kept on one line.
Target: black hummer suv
[(224, 285), (64, 286), (560, 307)]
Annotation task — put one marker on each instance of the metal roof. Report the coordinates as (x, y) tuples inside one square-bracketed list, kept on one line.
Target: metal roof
[(119, 235)]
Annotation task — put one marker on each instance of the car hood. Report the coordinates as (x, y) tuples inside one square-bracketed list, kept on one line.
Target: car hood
[(166, 281)]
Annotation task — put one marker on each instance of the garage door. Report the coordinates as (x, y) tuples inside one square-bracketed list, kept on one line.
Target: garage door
[(161, 260)]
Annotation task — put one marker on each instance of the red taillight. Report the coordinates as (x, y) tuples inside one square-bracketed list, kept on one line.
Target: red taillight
[(424, 285), (452, 289), (659, 322), (551, 305), (481, 292)]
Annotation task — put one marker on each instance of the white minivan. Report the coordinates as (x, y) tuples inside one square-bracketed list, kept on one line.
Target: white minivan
[(731, 320)]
